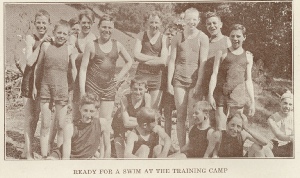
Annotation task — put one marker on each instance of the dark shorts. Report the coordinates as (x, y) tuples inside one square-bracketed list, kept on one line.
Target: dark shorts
[(282, 151), (57, 94), (153, 80), (182, 84), (106, 91), (168, 100), (233, 99)]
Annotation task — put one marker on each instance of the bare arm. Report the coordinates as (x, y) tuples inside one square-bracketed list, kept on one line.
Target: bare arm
[(278, 133), (89, 50), (185, 148), (166, 139), (129, 122), (128, 62), (171, 66), (140, 57), (162, 60), (68, 133), (213, 79), (105, 134), (249, 83), (212, 140), (216, 138), (131, 138), (147, 100), (204, 46)]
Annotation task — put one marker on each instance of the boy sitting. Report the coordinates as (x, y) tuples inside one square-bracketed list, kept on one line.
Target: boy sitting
[(82, 139)]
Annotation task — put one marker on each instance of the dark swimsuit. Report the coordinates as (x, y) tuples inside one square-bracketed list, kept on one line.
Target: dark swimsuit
[(152, 74), (151, 143), (117, 123), (198, 142), (231, 146), (100, 75), (28, 76)]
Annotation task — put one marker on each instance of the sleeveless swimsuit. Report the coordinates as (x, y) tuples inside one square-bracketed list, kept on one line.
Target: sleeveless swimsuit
[(151, 142), (152, 74), (117, 123), (28, 76), (231, 146), (198, 142), (100, 76), (214, 47), (230, 87), (54, 84), (85, 140), (187, 61)]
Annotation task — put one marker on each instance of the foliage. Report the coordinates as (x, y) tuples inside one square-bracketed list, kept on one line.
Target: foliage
[(269, 30)]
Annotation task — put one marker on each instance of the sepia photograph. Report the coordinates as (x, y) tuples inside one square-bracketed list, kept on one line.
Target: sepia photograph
[(147, 84)]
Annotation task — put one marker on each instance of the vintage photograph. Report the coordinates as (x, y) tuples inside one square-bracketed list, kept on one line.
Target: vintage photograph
[(142, 80)]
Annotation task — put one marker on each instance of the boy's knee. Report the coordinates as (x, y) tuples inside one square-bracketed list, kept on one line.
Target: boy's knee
[(157, 150), (256, 147)]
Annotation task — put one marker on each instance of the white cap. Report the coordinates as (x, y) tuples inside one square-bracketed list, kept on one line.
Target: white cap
[(287, 94)]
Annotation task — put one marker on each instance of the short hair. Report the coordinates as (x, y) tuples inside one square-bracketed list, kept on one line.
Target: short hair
[(153, 14), (61, 23), (146, 115), (106, 17), (88, 14), (190, 10), (90, 98), (212, 14), (203, 105), (238, 27), (42, 12), (73, 21), (138, 80)]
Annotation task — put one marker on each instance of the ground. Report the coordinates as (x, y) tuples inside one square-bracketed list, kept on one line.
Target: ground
[(17, 24)]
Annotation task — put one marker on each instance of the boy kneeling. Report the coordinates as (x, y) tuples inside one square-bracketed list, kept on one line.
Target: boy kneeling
[(82, 139), (143, 141)]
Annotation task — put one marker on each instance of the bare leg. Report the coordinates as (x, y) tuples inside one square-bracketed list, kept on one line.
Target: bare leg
[(60, 116), (155, 98), (181, 98), (220, 119), (168, 119), (178, 156), (143, 152), (120, 147), (157, 150), (75, 111), (45, 128), (190, 104), (105, 111)]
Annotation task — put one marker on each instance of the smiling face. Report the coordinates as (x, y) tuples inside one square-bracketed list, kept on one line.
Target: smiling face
[(138, 90), (61, 34), (214, 25), (154, 23), (191, 20), (234, 126), (198, 115), (41, 23), (88, 112), (105, 29), (286, 105), (237, 38), (75, 29), (86, 25)]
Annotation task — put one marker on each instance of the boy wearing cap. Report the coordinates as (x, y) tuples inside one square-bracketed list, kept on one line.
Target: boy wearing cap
[(143, 141), (282, 126)]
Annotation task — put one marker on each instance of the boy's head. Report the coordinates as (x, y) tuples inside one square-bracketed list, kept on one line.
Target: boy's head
[(201, 112), (237, 35), (75, 26), (86, 19), (170, 32), (153, 20), (286, 103), (106, 26), (88, 107), (138, 87), (146, 118), (191, 18), (42, 21), (61, 32), (235, 124), (213, 23)]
